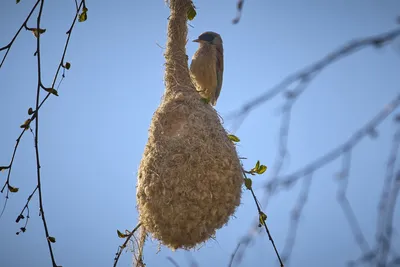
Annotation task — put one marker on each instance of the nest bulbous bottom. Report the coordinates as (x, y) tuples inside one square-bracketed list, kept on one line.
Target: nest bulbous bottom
[(189, 179)]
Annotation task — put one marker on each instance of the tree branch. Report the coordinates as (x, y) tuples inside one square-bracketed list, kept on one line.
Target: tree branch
[(8, 46)]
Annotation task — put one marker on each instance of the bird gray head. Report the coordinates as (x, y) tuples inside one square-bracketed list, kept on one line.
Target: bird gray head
[(209, 37)]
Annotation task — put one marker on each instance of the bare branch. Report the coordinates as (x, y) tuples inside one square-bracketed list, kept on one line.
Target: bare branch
[(124, 245), (390, 191), (343, 177), (289, 180), (8, 46), (173, 261), (295, 218), (34, 117), (387, 183), (9, 168), (300, 81), (239, 8), (39, 186), (311, 71), (262, 217), (26, 207)]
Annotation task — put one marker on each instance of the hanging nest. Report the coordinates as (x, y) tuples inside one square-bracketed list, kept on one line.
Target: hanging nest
[(190, 177)]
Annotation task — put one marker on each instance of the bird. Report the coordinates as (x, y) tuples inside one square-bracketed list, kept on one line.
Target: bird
[(207, 66)]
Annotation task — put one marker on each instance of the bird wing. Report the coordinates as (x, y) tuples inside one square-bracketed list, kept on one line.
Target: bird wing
[(220, 71)]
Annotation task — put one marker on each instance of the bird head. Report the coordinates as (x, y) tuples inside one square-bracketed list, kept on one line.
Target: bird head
[(212, 38)]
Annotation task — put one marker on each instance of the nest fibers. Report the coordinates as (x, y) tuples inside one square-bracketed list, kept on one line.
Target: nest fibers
[(190, 177)]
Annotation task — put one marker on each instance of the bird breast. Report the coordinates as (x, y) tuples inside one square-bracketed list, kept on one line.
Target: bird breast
[(203, 68)]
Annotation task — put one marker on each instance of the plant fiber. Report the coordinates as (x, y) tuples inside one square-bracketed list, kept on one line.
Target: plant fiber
[(190, 177)]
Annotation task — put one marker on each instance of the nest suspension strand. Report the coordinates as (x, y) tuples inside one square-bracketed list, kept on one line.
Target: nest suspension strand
[(190, 178)]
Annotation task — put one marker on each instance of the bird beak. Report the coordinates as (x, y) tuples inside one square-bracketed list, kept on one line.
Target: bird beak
[(196, 40)]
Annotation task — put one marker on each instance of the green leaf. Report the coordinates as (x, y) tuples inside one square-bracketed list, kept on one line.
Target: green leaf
[(248, 183), (262, 218), (51, 91), (30, 111), (233, 138), (205, 100), (18, 1), (13, 189), (191, 12), (121, 235), (261, 169), (67, 65), (51, 239)]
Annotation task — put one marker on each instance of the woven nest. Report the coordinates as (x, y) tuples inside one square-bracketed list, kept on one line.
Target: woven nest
[(190, 177)]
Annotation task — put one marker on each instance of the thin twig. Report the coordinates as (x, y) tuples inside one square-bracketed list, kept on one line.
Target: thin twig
[(261, 213), (192, 260), (123, 246), (290, 179), (173, 261), (34, 116), (8, 46), (38, 89), (139, 254), (387, 203), (26, 207), (384, 203), (345, 50), (239, 8), (300, 80), (387, 238), (343, 177), (234, 254), (9, 168), (295, 218)]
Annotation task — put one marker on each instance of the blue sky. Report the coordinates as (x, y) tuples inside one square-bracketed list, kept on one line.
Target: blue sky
[(92, 136)]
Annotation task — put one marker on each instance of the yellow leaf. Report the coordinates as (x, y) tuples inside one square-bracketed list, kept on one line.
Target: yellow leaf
[(51, 239), (121, 235), (13, 189), (262, 218), (257, 165), (233, 138), (51, 91), (261, 169), (25, 125), (36, 32), (83, 16)]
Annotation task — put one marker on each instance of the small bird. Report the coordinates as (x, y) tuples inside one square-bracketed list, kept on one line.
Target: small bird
[(207, 66)]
